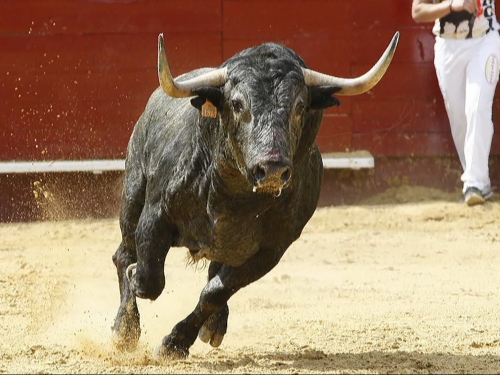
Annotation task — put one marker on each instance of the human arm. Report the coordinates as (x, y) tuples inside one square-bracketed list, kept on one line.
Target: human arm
[(425, 11)]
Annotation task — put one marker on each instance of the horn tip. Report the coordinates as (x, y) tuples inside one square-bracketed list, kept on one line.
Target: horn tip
[(161, 53), (395, 38), (161, 42)]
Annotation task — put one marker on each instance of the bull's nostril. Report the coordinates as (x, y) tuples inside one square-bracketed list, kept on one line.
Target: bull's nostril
[(259, 173), (285, 176)]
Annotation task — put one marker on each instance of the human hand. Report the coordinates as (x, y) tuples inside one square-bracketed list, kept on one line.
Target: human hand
[(468, 5)]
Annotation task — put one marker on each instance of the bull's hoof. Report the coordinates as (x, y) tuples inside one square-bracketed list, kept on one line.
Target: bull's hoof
[(132, 284), (125, 342), (126, 329), (130, 272), (214, 338), (215, 328), (144, 287), (165, 350)]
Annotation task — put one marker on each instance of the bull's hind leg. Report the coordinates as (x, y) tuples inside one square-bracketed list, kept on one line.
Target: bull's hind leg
[(126, 328), (213, 299), (215, 327)]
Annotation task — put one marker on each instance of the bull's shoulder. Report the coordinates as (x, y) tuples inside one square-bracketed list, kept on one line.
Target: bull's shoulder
[(168, 144)]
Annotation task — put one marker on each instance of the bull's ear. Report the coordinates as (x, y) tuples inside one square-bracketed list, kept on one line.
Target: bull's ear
[(322, 97), (214, 94)]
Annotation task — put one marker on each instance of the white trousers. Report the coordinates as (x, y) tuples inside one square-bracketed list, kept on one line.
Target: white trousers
[(467, 72)]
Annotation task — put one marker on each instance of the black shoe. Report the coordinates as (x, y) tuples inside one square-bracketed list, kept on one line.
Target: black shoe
[(473, 196)]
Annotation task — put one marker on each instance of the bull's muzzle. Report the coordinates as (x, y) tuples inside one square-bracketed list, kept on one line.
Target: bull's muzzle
[(271, 176)]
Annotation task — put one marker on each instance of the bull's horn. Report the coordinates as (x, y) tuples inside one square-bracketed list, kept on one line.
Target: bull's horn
[(359, 85), (183, 89)]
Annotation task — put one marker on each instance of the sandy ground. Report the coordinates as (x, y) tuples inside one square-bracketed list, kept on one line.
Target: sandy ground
[(377, 287)]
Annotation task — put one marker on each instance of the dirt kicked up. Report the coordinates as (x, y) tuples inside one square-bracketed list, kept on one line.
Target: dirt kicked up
[(407, 282)]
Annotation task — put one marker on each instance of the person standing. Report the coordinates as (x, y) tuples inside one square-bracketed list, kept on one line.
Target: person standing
[(466, 59)]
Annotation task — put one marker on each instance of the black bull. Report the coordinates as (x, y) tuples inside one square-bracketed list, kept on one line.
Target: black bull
[(233, 175)]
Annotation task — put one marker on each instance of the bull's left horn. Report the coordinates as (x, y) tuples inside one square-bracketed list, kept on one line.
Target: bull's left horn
[(183, 89), (359, 85)]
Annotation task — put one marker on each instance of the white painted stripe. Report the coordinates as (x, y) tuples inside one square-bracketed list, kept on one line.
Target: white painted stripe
[(348, 160), (355, 160)]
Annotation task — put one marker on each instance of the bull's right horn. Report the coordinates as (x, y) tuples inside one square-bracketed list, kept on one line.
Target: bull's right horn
[(359, 85), (184, 89)]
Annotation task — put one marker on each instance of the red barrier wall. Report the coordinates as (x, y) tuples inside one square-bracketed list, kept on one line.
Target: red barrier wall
[(76, 75)]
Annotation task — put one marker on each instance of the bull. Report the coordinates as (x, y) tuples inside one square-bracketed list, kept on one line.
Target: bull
[(223, 162)]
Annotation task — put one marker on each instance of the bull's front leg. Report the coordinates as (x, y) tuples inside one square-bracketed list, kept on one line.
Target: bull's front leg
[(140, 265), (213, 299), (126, 328), (153, 239)]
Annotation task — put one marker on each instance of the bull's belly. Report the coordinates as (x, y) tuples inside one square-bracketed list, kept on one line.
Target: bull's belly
[(234, 257), (232, 245)]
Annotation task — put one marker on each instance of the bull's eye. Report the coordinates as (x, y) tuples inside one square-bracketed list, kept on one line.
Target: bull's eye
[(237, 105)]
